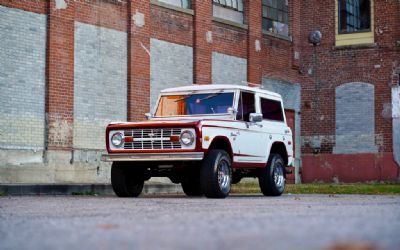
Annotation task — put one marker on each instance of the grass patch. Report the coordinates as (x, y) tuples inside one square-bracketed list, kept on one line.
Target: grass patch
[(326, 188), (87, 193), (2, 194)]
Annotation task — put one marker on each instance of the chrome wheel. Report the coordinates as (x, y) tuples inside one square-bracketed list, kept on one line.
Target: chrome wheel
[(215, 174), (224, 178), (279, 177), (272, 178)]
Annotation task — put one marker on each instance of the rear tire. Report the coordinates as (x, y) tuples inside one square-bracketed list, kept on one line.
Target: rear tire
[(272, 178), (126, 179), (216, 174)]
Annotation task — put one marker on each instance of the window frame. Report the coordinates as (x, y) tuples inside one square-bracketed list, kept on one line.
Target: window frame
[(217, 2), (345, 40), (240, 103), (276, 20), (281, 109), (156, 106), (340, 32), (181, 6)]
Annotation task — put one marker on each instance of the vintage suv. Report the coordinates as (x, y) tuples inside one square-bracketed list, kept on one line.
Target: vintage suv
[(205, 137)]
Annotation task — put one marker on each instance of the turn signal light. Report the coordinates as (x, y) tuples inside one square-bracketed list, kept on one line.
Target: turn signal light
[(174, 138)]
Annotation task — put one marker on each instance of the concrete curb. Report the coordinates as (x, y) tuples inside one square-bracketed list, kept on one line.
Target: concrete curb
[(70, 189)]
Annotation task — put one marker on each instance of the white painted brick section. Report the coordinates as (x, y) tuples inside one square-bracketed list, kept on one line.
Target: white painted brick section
[(228, 69), (100, 91), (291, 93), (171, 65), (22, 79), (396, 122), (355, 119)]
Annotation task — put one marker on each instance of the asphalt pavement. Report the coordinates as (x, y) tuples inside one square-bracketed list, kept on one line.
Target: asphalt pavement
[(179, 222)]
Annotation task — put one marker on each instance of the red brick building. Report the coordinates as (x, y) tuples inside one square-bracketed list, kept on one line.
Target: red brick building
[(79, 64)]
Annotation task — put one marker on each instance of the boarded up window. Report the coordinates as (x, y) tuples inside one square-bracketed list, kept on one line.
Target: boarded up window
[(355, 119)]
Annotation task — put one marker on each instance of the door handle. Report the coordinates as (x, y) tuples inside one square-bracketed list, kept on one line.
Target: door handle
[(235, 133)]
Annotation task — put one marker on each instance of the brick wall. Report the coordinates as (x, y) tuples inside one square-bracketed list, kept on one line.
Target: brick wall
[(326, 67), (171, 25), (202, 41), (255, 48), (163, 46), (230, 40), (323, 69), (138, 58)]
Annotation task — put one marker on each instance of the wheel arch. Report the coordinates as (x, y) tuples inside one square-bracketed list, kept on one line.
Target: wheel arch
[(279, 148), (221, 142)]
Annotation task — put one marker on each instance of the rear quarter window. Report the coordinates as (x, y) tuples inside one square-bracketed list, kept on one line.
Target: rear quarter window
[(271, 110)]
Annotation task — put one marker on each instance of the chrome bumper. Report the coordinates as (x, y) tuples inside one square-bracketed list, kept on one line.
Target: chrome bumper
[(195, 156)]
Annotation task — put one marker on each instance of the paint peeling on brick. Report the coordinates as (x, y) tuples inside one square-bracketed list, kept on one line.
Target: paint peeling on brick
[(61, 4), (257, 45), (138, 19), (327, 143), (209, 36), (387, 111), (60, 131), (145, 49)]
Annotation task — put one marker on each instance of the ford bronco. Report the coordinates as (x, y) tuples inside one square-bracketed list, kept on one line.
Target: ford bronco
[(205, 137)]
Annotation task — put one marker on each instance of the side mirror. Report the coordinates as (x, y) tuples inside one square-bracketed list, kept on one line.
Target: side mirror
[(232, 110), (149, 116), (256, 117)]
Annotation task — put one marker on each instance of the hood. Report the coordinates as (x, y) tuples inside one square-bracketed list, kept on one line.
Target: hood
[(155, 123)]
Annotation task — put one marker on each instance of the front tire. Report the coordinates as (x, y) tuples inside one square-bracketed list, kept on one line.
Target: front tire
[(216, 174), (272, 178), (126, 180), (191, 181), (191, 189)]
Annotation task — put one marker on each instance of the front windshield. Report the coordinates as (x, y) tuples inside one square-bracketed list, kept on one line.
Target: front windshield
[(194, 104)]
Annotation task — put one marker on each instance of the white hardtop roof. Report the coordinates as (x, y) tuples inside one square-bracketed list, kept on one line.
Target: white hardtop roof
[(213, 87)]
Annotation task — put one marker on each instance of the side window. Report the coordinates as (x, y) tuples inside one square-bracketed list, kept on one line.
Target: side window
[(271, 110), (246, 106)]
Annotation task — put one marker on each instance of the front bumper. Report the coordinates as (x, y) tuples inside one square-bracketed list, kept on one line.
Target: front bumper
[(191, 156)]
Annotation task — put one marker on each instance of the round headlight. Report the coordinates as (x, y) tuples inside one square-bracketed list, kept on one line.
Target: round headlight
[(117, 139), (187, 138)]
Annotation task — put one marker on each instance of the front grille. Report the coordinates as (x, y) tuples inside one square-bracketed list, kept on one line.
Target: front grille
[(148, 139)]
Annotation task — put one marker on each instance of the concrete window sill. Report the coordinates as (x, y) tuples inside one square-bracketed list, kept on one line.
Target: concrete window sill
[(356, 46), (286, 38), (228, 22)]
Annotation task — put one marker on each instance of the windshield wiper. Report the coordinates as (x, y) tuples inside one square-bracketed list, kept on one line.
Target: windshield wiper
[(205, 98), (211, 96), (183, 98)]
